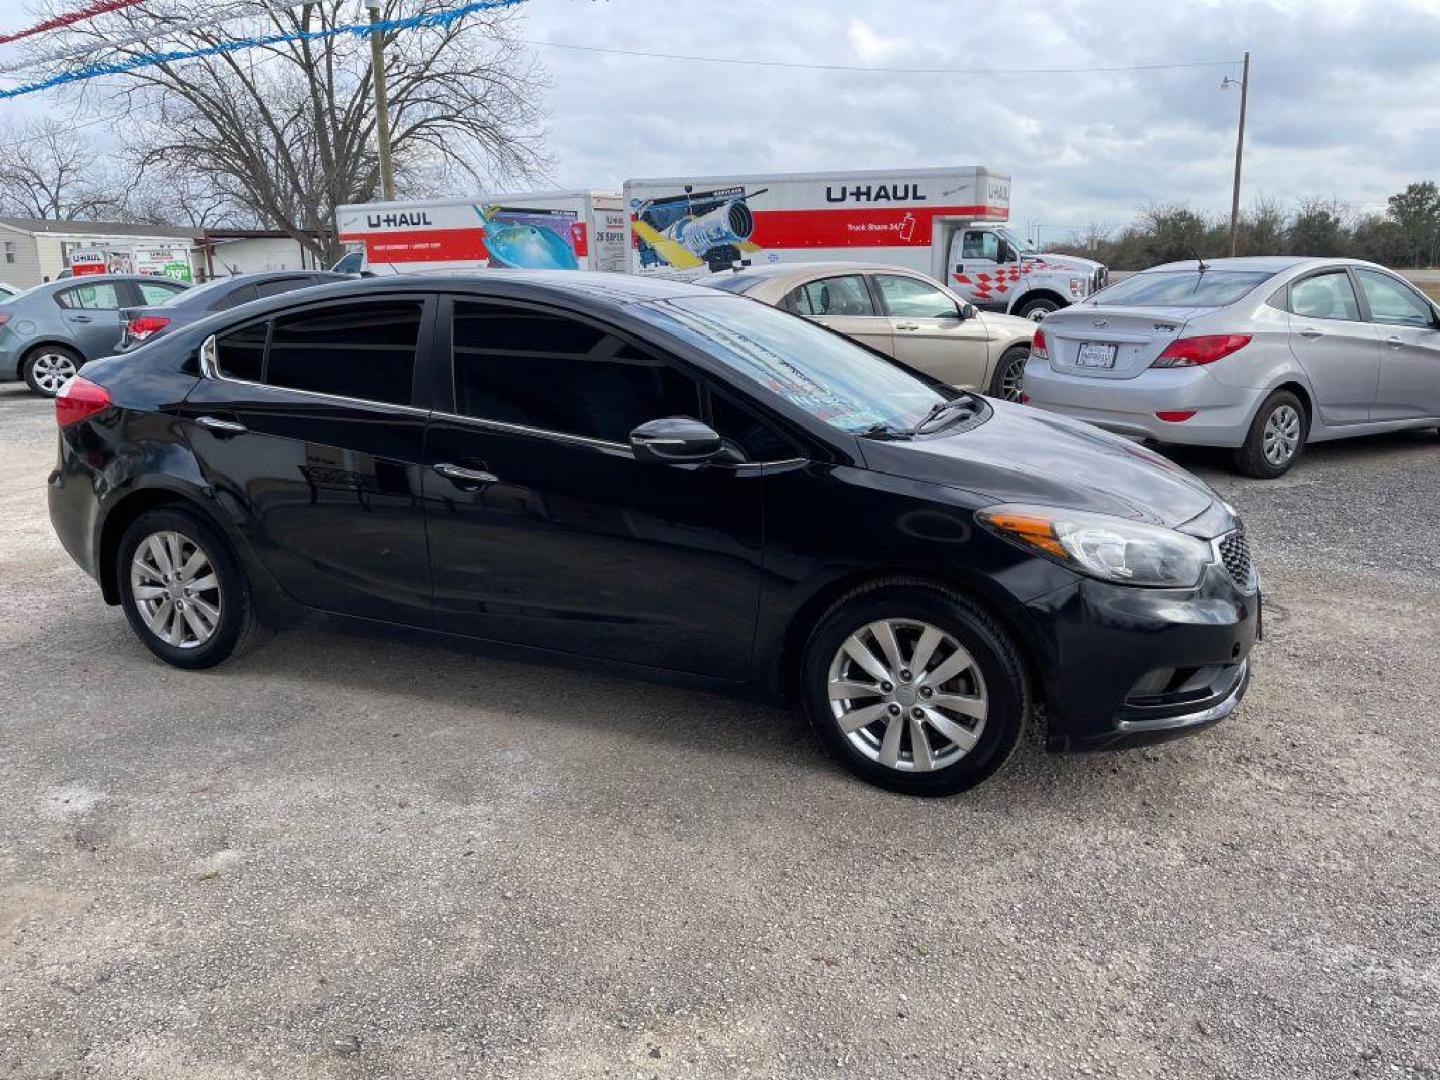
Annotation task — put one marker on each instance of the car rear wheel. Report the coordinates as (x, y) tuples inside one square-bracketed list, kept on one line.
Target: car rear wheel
[(1036, 310), (1276, 437), (913, 688), (183, 590), (1008, 382), (50, 367)]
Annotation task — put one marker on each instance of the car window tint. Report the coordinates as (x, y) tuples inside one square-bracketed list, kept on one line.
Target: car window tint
[(752, 436), (103, 297), (845, 295), (240, 354), (234, 298), (157, 292), (1392, 302), (914, 299), (980, 245), (364, 350), (555, 373), (281, 285), (1325, 296)]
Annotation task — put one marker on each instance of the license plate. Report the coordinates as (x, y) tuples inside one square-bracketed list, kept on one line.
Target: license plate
[(1093, 355)]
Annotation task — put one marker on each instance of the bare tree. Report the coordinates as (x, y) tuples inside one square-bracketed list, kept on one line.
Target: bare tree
[(285, 132), (49, 170)]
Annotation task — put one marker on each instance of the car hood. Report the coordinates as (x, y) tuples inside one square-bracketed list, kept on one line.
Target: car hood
[(1066, 262), (1024, 455)]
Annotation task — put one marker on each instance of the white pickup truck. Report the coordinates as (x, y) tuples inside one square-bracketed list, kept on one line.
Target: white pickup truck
[(947, 222)]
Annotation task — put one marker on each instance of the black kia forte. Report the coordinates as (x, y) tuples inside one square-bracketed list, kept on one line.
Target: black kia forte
[(668, 478)]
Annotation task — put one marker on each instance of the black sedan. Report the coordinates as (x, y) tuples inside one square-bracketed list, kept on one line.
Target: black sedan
[(141, 324), (670, 479)]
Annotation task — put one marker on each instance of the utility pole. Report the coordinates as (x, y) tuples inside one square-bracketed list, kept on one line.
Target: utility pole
[(382, 108), (1239, 151)]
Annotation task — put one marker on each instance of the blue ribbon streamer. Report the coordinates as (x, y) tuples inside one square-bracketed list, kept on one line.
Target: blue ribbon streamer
[(411, 22)]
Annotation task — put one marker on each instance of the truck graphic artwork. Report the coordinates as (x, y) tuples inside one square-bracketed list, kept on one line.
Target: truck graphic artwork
[(698, 228), (529, 239)]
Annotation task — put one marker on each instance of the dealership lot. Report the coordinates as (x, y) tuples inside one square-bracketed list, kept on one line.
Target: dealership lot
[(343, 856)]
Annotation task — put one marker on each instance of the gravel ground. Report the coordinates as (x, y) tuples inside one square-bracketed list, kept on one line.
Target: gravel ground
[(351, 857)]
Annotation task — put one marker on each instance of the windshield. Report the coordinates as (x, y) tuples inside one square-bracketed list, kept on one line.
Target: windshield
[(829, 376), (1018, 243), (1182, 288)]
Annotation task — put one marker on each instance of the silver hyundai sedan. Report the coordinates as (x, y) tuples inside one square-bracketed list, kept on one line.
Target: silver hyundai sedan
[(1261, 355)]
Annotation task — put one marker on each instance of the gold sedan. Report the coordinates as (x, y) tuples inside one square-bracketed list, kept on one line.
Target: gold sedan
[(902, 313)]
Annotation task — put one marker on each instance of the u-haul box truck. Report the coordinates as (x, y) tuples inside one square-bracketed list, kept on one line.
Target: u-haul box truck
[(544, 230), (948, 223)]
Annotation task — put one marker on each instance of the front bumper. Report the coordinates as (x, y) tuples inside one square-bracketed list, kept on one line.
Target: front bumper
[(1121, 665), (1128, 406)]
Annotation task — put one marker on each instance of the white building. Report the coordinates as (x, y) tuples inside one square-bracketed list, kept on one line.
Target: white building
[(225, 252)]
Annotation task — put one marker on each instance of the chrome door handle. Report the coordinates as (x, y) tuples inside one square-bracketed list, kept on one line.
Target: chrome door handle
[(1394, 341), (1311, 333), (907, 326), (465, 476), (225, 427)]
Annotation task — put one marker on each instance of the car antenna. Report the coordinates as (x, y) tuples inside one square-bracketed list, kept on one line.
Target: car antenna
[(1201, 266)]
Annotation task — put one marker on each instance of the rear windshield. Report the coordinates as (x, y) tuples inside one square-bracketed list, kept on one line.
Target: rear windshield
[(1183, 288)]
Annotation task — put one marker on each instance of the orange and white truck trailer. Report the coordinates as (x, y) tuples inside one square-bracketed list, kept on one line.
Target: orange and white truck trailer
[(949, 223)]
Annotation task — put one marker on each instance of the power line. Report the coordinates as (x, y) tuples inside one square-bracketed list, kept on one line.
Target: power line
[(748, 62)]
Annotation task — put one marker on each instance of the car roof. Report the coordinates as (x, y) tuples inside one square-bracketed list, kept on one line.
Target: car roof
[(103, 279), (1272, 264), (601, 285), (771, 271)]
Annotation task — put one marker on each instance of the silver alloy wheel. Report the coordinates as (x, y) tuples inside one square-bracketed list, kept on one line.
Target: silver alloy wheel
[(908, 695), (52, 370), (1282, 435), (1012, 380), (176, 590)]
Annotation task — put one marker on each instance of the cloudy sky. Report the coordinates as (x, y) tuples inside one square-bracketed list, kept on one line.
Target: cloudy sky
[(1345, 95)]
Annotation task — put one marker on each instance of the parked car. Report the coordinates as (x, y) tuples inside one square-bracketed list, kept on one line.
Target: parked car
[(902, 313), (47, 333), (141, 324), (671, 479), (1261, 355)]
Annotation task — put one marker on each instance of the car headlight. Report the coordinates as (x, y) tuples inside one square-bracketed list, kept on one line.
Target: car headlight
[(1105, 547)]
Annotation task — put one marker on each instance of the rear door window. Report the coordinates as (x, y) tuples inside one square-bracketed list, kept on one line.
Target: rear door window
[(282, 285), (845, 295), (1325, 296), (548, 371), (355, 350), (102, 297), (1392, 302)]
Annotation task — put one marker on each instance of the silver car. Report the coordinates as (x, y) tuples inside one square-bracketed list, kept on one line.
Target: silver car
[(47, 333), (1258, 354), (901, 313)]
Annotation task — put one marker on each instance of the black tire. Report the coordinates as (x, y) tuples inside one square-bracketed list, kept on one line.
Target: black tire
[(1251, 459), (990, 647), (235, 627), (1010, 358), (1036, 310), (41, 382)]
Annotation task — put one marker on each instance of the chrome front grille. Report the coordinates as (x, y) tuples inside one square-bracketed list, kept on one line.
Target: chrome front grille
[(1234, 552)]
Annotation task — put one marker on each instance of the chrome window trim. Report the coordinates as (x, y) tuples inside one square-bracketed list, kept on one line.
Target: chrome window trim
[(210, 369), (504, 427)]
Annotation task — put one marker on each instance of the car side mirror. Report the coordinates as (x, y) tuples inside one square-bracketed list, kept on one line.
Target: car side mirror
[(675, 440), (967, 311)]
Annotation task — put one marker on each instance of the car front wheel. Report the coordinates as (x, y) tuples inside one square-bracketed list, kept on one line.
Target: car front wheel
[(915, 689), (50, 367), (183, 590), (1008, 382)]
